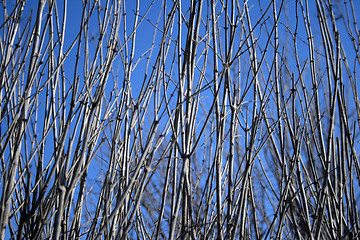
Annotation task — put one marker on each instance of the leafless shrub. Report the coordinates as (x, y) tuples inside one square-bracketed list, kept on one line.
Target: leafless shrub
[(179, 119)]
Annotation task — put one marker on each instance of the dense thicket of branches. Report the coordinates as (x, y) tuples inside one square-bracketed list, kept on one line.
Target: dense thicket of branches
[(179, 119)]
